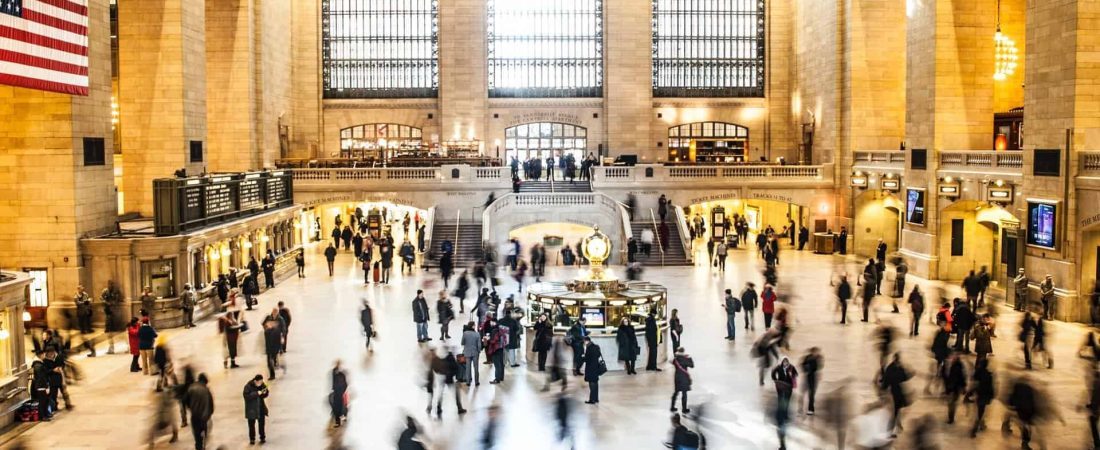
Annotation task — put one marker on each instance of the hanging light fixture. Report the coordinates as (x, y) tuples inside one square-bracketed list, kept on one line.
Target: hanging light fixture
[(1004, 52)]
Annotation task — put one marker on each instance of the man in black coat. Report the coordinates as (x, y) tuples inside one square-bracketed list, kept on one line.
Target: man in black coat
[(963, 320), (593, 369), (268, 267), (973, 286), (273, 344), (255, 408), (201, 404), (330, 257), (575, 338), (803, 237), (421, 316), (651, 341)]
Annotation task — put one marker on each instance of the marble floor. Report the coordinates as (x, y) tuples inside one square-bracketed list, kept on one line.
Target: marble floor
[(114, 406)]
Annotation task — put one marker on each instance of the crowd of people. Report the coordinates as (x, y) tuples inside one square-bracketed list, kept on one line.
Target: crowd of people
[(492, 339)]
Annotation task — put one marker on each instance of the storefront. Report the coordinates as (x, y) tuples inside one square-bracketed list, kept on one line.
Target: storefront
[(14, 372)]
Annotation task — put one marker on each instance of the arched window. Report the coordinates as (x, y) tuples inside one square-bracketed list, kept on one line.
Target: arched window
[(708, 142), (380, 140), (708, 48), (545, 48), (380, 49), (544, 139)]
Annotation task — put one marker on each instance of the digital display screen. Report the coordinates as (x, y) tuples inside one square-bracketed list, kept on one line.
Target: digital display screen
[(1042, 220), (914, 206), (594, 317)]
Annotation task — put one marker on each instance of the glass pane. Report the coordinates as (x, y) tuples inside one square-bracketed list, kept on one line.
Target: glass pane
[(569, 130), (696, 129), (722, 39), (708, 129), (509, 143), (557, 132), (544, 130), (522, 130), (544, 143), (556, 143), (582, 132), (522, 143), (674, 131), (510, 132), (417, 133)]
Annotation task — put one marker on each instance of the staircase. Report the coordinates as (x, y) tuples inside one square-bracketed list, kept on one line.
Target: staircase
[(467, 247), (674, 256), (542, 186)]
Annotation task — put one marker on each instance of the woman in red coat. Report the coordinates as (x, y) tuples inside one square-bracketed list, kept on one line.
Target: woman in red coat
[(767, 304), (132, 332)]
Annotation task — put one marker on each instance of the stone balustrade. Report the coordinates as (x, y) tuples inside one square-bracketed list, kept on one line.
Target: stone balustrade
[(878, 159), (648, 174), (982, 161), (1090, 163)]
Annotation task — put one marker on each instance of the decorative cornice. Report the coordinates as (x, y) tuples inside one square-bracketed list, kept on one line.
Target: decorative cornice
[(545, 103), (407, 103), (708, 103)]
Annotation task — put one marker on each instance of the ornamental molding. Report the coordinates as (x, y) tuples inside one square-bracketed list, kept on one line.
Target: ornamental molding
[(432, 104)]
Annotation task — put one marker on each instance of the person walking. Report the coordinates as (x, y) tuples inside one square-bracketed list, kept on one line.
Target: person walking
[(445, 313), (230, 327), (83, 302), (471, 348), (868, 292), (767, 304), (385, 253), (273, 344), (916, 306), (681, 379), (651, 341), (785, 378), (983, 391), (982, 337), (200, 402), (250, 289), (495, 340), (1093, 407), (147, 338), (954, 384), (255, 408), (268, 268), (749, 300), (627, 341), (732, 305), (515, 334), (300, 262), (594, 368), (330, 257), (421, 316), (811, 365), (366, 319), (893, 380), (544, 340), (675, 328), (574, 338), (963, 320), (338, 396), (721, 252), (843, 295), (1027, 333), (972, 286), (1038, 343), (132, 331), (901, 270), (284, 313)]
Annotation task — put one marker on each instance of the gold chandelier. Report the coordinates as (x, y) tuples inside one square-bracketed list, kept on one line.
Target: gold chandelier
[(1004, 52)]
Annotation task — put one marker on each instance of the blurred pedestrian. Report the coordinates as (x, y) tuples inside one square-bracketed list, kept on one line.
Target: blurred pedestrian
[(626, 339), (749, 300), (201, 404), (445, 313), (544, 336), (682, 379), (594, 368), (134, 343), (982, 390), (811, 365), (471, 348), (651, 341), (916, 306), (675, 328), (893, 380), (954, 384)]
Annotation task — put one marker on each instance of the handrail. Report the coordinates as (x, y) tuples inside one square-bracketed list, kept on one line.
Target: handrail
[(429, 226), (628, 232), (458, 226), (657, 235), (681, 224)]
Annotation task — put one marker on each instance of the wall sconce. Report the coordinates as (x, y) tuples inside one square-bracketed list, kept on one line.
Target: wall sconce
[(890, 184), (247, 245), (859, 180), (949, 190), (4, 334), (226, 251), (264, 238), (26, 316), (999, 193), (823, 208)]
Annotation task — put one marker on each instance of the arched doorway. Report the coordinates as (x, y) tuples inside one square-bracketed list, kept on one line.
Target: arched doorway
[(554, 236), (877, 216), (784, 218), (975, 234), (543, 139)]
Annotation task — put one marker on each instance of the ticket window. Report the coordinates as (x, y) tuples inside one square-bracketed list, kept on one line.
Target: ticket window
[(160, 275)]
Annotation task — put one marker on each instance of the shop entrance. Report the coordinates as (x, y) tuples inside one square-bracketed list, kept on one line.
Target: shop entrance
[(1090, 260), (974, 234), (877, 216), (783, 218), (376, 219)]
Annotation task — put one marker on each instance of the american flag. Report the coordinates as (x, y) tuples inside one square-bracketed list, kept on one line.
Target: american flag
[(44, 45)]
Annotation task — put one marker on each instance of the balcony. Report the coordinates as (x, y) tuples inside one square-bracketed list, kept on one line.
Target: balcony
[(1089, 164), (969, 162), (879, 160), (750, 174), (397, 178)]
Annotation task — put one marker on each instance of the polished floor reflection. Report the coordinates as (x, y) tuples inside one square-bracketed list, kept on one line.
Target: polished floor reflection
[(114, 406)]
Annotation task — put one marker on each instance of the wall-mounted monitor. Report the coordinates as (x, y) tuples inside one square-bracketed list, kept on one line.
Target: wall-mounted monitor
[(594, 317), (1042, 224), (914, 206)]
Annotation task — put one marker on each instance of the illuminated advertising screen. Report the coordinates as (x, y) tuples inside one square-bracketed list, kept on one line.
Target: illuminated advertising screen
[(914, 206), (594, 317), (1042, 221)]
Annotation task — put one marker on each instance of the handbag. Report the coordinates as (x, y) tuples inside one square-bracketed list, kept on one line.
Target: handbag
[(601, 368), (244, 326)]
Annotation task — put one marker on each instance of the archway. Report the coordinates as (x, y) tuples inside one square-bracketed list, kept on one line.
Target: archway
[(552, 235), (877, 216), (374, 218), (1090, 259), (974, 234), (379, 141), (708, 142)]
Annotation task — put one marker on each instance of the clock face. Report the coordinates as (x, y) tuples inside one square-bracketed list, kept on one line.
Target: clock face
[(597, 248)]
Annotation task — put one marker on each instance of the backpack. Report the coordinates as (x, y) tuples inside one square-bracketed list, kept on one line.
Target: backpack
[(736, 305)]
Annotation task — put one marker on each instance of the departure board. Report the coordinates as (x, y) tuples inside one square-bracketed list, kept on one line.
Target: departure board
[(184, 204)]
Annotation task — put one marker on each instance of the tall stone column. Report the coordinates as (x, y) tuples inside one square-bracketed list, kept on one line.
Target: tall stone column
[(628, 77), (949, 103), (463, 76), (49, 197), (231, 109), (161, 94), (1062, 111)]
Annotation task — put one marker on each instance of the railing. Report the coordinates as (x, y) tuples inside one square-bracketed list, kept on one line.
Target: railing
[(366, 174), (965, 159), (1090, 163), (657, 236), (878, 157), (541, 200), (491, 173), (458, 226), (627, 231), (681, 224), (429, 225), (657, 173)]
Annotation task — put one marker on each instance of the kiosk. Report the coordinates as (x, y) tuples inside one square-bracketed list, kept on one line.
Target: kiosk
[(604, 301)]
